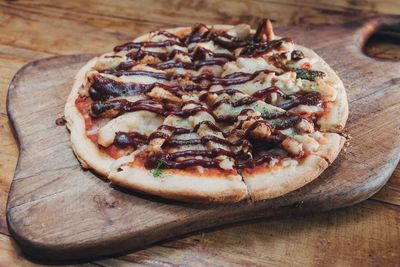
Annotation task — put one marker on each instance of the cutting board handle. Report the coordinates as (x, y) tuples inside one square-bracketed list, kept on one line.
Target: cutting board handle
[(364, 29)]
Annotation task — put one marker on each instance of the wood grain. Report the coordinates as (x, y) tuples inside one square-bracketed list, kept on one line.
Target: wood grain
[(28, 24), (12, 256), (13, 59), (49, 189), (391, 192), (325, 239), (179, 13), (8, 159)]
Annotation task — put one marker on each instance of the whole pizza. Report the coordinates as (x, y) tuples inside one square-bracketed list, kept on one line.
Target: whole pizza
[(208, 114)]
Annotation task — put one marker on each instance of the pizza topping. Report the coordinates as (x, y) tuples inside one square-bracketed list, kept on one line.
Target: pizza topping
[(264, 32), (212, 98), (292, 146), (297, 55), (157, 171), (309, 143), (310, 99), (311, 75), (135, 139), (240, 32), (131, 45), (103, 88), (141, 122)]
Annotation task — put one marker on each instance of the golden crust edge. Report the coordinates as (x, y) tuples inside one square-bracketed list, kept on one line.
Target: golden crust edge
[(286, 180), (181, 187), (331, 148)]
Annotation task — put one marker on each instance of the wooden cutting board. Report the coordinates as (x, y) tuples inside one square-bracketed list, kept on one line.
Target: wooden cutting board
[(58, 211)]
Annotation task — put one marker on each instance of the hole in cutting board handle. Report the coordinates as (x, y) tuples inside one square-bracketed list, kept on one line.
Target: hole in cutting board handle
[(383, 42)]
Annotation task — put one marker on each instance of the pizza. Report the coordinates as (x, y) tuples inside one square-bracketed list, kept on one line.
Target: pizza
[(208, 114)]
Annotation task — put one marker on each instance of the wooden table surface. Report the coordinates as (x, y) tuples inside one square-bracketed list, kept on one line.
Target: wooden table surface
[(365, 234)]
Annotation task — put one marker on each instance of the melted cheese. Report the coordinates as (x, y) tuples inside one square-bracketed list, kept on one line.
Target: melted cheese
[(306, 110), (248, 65), (143, 122), (309, 143), (287, 82), (176, 121), (262, 81)]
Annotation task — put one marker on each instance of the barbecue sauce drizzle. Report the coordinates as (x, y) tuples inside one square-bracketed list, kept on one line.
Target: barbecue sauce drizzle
[(104, 89)]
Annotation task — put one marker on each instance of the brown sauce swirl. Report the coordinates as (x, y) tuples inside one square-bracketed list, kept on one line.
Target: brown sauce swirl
[(123, 139), (310, 99), (263, 93), (103, 88), (172, 164), (204, 153), (132, 45)]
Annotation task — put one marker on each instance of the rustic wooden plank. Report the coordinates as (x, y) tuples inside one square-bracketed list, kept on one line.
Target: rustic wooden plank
[(11, 255), (363, 235), (184, 12), (370, 228), (12, 59), (390, 193), (66, 32), (8, 159), (352, 7)]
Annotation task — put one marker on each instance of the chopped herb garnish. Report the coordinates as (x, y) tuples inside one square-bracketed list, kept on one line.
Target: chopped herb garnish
[(266, 113), (157, 171), (310, 75)]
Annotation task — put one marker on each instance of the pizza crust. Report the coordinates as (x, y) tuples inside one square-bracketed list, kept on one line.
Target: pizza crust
[(175, 185), (330, 146), (272, 182), (275, 182)]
